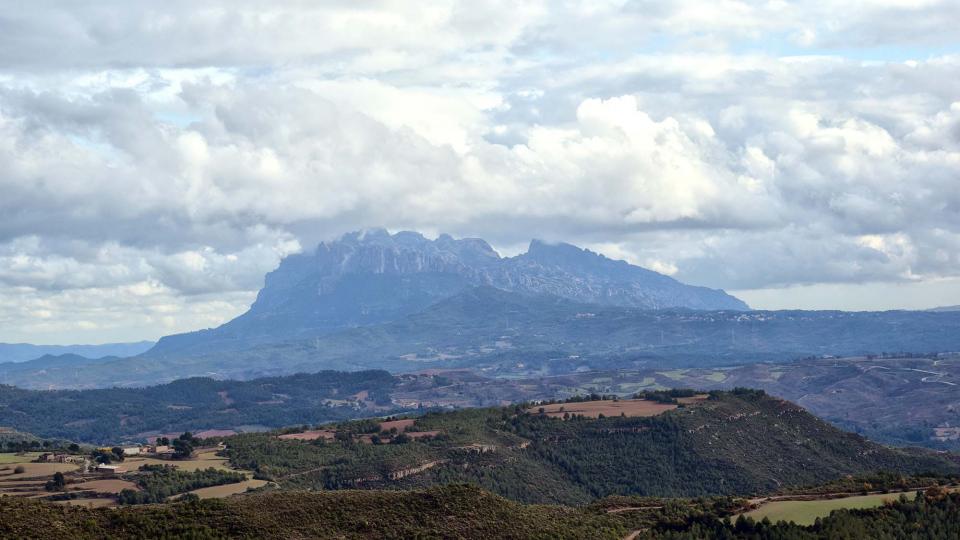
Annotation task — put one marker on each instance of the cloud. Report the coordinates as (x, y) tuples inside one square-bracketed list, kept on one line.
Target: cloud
[(747, 145)]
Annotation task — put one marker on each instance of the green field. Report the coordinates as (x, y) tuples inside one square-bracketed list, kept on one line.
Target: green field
[(806, 512), (13, 458), (675, 374), (717, 376)]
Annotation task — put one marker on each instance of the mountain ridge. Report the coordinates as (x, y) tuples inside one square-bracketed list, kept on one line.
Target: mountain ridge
[(22, 352), (371, 277), (499, 333)]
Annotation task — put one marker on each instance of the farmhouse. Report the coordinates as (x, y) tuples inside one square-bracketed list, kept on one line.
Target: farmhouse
[(131, 450), (48, 457), (107, 469)]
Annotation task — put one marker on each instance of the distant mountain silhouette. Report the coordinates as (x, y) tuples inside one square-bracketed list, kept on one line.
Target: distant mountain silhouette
[(501, 333), (21, 352), (372, 277)]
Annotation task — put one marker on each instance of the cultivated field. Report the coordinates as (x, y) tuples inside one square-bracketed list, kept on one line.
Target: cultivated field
[(15, 458), (35, 469), (401, 425), (112, 485), (216, 492), (202, 460), (89, 503), (30, 483), (325, 434), (593, 409), (806, 512)]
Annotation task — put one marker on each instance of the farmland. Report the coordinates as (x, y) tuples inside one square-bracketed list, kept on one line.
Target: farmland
[(593, 409), (806, 512), (98, 489), (201, 460), (384, 431), (226, 490), (310, 435)]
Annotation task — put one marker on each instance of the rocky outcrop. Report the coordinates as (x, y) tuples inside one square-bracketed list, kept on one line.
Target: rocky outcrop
[(371, 277)]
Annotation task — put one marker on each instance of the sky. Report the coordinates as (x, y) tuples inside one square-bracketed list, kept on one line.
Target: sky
[(158, 158)]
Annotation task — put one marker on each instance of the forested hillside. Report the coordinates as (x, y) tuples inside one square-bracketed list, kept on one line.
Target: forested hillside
[(116, 414), (740, 442), (464, 512)]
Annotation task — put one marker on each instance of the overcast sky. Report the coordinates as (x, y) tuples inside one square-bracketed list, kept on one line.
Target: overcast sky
[(156, 162)]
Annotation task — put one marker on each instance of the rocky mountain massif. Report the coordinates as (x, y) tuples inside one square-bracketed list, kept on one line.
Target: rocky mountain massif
[(406, 304), (373, 277)]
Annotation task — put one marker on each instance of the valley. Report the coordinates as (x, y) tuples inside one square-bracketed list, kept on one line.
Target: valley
[(892, 400)]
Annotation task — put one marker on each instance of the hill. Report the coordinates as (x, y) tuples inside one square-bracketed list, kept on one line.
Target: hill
[(509, 334), (464, 512), (21, 352), (448, 512), (197, 404), (372, 277), (901, 401), (733, 443), (8, 435)]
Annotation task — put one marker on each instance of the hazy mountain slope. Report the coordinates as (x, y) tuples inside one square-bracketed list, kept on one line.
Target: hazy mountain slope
[(64, 364), (111, 415), (505, 333), (372, 277), (21, 352)]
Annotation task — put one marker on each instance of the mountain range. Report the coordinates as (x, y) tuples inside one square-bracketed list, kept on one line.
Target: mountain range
[(21, 352), (403, 303), (371, 277)]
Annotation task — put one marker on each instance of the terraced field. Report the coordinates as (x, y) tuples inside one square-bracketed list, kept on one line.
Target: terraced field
[(97, 489)]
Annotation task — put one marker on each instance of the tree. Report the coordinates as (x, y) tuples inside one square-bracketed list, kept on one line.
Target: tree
[(74, 447), (19, 469), (58, 482), (182, 448)]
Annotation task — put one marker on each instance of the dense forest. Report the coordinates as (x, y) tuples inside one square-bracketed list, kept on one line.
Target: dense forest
[(465, 512), (111, 415), (931, 514), (157, 482)]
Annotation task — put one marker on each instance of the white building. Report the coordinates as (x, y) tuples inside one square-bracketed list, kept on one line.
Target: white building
[(109, 469)]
